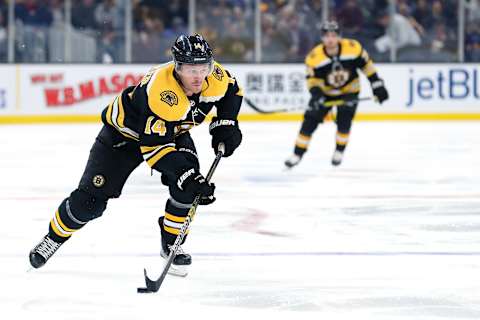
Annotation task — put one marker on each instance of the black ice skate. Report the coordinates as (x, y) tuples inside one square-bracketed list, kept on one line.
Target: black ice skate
[(181, 261), (292, 161), (337, 158), (43, 251)]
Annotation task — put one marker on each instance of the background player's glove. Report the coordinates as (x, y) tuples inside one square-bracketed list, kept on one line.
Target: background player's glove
[(379, 91), (193, 182), (226, 132)]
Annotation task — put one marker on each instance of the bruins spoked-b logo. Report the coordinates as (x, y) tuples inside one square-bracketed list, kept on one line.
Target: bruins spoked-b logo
[(169, 97), (98, 181), (218, 73), (339, 76)]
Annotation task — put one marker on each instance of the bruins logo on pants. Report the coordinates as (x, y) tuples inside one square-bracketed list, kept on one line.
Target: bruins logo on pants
[(169, 97), (98, 181)]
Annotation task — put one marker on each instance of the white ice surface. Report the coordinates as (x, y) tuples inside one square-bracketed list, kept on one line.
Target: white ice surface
[(394, 233)]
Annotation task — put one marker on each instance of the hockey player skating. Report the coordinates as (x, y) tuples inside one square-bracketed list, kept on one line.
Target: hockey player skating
[(332, 79), (151, 122)]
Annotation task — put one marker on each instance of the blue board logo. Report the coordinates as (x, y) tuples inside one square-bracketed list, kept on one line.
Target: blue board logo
[(454, 84)]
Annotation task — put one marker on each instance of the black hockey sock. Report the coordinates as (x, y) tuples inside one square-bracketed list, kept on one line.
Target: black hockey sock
[(63, 223), (301, 144), (341, 140), (175, 213)]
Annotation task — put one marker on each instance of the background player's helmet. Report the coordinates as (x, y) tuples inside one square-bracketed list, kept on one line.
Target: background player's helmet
[(191, 50), (330, 26)]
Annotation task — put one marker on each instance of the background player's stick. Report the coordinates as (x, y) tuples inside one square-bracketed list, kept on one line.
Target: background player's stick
[(154, 285), (327, 104)]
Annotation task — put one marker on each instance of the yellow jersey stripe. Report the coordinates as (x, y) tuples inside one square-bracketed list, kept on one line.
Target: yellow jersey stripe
[(121, 113), (151, 162), (369, 69), (315, 82), (109, 113), (147, 149)]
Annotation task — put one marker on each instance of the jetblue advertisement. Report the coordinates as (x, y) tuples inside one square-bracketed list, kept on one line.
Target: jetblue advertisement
[(441, 87)]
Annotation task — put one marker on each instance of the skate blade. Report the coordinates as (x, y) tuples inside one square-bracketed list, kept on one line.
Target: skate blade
[(178, 271)]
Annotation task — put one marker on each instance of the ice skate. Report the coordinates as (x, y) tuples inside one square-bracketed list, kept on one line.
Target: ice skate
[(181, 261), (43, 251), (293, 161), (337, 158)]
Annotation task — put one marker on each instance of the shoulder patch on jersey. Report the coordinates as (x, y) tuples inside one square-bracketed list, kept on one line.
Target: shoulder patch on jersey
[(218, 73), (216, 85), (165, 96), (169, 97)]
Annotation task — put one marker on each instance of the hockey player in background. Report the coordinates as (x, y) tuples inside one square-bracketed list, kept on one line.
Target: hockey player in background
[(332, 80), (151, 122)]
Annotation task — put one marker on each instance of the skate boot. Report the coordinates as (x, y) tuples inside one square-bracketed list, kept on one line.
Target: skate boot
[(43, 251), (337, 158), (292, 161), (181, 261)]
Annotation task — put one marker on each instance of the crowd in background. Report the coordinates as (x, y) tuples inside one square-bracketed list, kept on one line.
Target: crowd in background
[(419, 30)]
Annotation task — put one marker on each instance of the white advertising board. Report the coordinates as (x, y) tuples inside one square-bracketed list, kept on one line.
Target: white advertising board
[(8, 103), (432, 88), (87, 89)]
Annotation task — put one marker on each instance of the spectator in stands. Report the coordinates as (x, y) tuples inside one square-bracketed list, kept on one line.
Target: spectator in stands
[(109, 19), (83, 15), (33, 18), (34, 13), (176, 9), (399, 32), (58, 13), (422, 13), (472, 43), (273, 45), (404, 9), (3, 35), (351, 16), (473, 13), (108, 14)]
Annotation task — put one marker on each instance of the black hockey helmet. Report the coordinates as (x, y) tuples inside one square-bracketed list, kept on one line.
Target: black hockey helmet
[(191, 50), (330, 26)]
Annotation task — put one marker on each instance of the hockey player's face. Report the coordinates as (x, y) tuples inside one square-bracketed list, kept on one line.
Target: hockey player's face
[(330, 39), (193, 75)]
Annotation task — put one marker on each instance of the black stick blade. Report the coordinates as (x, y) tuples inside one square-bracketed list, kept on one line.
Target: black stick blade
[(152, 285), (143, 290)]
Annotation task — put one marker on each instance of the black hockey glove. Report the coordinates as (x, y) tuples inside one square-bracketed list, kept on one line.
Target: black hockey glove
[(379, 91), (191, 181), (226, 132)]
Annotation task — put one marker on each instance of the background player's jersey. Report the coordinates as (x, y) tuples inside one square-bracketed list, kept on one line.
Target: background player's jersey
[(157, 109), (337, 75)]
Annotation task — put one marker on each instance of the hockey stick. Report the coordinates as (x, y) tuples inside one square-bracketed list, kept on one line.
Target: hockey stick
[(154, 285), (331, 103)]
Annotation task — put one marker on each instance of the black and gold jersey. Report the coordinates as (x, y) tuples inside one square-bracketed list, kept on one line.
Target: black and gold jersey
[(157, 110), (337, 75)]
